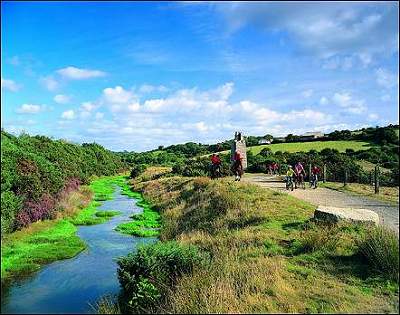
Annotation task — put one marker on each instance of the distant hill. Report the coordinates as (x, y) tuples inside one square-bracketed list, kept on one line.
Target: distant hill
[(340, 145)]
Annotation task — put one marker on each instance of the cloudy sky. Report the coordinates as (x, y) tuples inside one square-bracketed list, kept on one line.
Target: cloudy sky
[(132, 76)]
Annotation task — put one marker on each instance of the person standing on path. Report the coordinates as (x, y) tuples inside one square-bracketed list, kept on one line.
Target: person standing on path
[(237, 165)]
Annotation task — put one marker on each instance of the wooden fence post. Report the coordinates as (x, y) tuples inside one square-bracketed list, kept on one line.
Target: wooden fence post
[(377, 179), (345, 178), (309, 172), (324, 173)]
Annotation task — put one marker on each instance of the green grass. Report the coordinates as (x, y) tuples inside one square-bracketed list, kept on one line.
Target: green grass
[(46, 241), (267, 256), (340, 145), (145, 224), (315, 145), (381, 249), (369, 166), (107, 214), (25, 251), (386, 194)]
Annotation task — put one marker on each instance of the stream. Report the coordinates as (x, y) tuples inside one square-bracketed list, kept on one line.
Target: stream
[(68, 286)]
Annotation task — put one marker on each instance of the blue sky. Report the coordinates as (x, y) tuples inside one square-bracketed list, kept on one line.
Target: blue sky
[(135, 75)]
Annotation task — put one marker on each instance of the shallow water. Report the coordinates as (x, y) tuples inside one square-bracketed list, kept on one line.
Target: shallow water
[(67, 286)]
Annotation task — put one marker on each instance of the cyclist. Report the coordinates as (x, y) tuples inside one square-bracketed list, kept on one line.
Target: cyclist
[(299, 173), (315, 171), (289, 177), (215, 165)]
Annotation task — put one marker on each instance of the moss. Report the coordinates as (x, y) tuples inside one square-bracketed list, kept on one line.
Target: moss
[(107, 214), (23, 252), (145, 224)]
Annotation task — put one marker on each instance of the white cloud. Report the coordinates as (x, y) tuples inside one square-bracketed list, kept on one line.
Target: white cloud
[(61, 99), (323, 101), (365, 58), (372, 117), (9, 85), (385, 78), (74, 73), (30, 109), (88, 106), (50, 83), (198, 126), (207, 116), (386, 97), (117, 95), (69, 114), (325, 29), (351, 105)]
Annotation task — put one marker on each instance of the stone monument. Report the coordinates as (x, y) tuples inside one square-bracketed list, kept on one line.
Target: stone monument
[(239, 144)]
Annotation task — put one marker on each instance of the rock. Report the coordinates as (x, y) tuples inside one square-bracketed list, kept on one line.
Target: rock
[(334, 214)]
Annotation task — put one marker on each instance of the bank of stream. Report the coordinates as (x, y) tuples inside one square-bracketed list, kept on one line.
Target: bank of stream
[(68, 286)]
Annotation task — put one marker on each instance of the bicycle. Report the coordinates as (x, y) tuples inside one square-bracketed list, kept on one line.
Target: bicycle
[(289, 183), (314, 181), (215, 171), (299, 181)]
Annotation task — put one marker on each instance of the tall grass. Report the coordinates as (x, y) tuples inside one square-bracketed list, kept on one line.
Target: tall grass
[(265, 256), (380, 247), (106, 305)]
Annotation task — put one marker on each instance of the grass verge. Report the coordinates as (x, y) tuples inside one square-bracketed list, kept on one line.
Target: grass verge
[(266, 254), (386, 194)]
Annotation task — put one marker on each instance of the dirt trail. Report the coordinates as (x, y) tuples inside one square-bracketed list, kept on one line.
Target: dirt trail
[(388, 214)]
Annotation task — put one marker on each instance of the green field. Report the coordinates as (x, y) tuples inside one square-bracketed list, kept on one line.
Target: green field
[(315, 145)]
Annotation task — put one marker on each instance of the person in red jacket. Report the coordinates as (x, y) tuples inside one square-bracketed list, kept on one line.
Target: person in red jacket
[(315, 172), (237, 166), (215, 166)]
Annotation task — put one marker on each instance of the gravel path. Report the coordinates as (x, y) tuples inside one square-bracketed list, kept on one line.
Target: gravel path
[(388, 214)]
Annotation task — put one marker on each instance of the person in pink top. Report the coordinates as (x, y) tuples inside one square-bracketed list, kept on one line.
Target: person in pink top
[(299, 174)]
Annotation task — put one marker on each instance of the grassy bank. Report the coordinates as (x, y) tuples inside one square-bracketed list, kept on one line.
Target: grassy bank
[(265, 255), (42, 242), (387, 194)]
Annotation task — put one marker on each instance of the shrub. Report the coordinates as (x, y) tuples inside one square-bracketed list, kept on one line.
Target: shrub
[(37, 170), (317, 236), (36, 210), (10, 206), (380, 247), (137, 170), (146, 275)]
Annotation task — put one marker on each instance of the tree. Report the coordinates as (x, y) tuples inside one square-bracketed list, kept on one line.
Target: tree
[(268, 137), (266, 152)]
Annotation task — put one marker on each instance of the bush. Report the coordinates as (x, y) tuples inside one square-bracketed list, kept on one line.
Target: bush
[(380, 248), (200, 167), (146, 275), (10, 206), (137, 170), (37, 171)]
